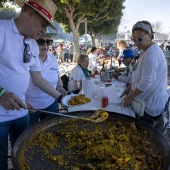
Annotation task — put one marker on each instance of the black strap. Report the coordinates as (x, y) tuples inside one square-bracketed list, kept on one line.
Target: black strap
[(59, 98)]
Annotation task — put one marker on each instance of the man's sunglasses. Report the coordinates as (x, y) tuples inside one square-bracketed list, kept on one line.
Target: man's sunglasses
[(140, 39), (26, 56), (42, 42)]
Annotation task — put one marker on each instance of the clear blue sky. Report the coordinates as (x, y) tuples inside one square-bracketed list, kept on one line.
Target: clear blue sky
[(150, 10)]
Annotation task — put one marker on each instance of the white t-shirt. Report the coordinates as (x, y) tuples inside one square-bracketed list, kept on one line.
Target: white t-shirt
[(126, 78), (154, 69), (75, 74), (14, 74), (34, 95), (92, 61)]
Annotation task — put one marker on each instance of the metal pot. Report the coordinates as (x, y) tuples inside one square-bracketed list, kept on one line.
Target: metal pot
[(106, 75), (157, 137)]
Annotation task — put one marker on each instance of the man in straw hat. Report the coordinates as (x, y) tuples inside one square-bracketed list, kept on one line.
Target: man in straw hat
[(18, 64)]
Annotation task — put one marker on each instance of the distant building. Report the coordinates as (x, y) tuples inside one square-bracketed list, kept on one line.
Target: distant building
[(124, 36)]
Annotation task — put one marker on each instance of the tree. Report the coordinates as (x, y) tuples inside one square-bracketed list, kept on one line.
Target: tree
[(71, 13), (2, 2), (8, 13), (157, 26), (105, 28)]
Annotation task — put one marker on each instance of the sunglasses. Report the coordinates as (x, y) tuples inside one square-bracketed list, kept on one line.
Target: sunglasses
[(140, 39), (26, 56), (42, 42)]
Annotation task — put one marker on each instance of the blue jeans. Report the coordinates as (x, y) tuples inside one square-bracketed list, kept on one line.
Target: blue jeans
[(35, 117), (12, 128), (66, 57)]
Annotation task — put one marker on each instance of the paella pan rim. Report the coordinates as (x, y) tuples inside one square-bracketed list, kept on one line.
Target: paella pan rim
[(158, 138)]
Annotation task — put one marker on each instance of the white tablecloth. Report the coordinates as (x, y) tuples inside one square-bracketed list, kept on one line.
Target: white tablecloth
[(112, 106)]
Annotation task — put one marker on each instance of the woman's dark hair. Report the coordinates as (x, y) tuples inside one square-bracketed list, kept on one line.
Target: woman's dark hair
[(93, 49)]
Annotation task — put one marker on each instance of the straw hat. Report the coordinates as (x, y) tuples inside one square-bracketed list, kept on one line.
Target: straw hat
[(46, 8), (51, 35)]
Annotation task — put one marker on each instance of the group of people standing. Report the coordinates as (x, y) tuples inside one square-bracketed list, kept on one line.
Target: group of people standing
[(63, 52)]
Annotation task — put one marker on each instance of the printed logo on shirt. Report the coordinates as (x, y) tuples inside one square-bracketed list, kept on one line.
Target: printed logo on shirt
[(52, 68)]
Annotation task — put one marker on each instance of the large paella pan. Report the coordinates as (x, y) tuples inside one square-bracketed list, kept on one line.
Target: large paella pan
[(55, 144)]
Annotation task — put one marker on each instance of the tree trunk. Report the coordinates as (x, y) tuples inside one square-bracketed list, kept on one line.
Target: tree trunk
[(99, 39), (93, 41), (76, 46), (74, 27)]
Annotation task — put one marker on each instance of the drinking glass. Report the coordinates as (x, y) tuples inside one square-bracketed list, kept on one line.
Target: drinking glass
[(79, 84), (101, 84)]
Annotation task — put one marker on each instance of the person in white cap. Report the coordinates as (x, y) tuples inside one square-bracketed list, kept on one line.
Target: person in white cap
[(35, 97), (17, 65)]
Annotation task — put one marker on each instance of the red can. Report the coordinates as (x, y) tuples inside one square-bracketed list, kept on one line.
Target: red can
[(109, 80), (104, 101), (92, 75)]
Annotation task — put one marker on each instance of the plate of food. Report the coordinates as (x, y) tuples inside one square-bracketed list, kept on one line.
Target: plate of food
[(75, 100)]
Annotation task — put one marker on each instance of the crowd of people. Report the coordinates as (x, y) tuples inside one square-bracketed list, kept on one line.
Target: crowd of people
[(63, 52), (30, 78), (144, 71)]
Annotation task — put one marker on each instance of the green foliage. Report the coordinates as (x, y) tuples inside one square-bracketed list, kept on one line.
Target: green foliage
[(92, 10), (102, 16), (8, 13), (2, 2), (105, 15)]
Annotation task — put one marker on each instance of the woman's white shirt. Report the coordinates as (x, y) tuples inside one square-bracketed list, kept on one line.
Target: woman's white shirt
[(34, 95), (75, 74), (151, 69), (92, 61), (126, 78)]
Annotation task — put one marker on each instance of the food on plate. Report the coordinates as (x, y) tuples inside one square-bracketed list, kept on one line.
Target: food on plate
[(77, 144), (79, 99)]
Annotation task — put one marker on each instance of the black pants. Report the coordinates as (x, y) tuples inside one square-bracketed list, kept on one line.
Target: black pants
[(66, 57), (71, 57), (155, 121), (119, 61)]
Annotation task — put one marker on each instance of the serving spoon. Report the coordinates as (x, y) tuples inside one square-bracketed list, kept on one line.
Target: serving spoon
[(98, 116)]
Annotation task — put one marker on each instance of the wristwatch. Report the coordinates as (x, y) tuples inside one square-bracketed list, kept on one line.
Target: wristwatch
[(59, 99)]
